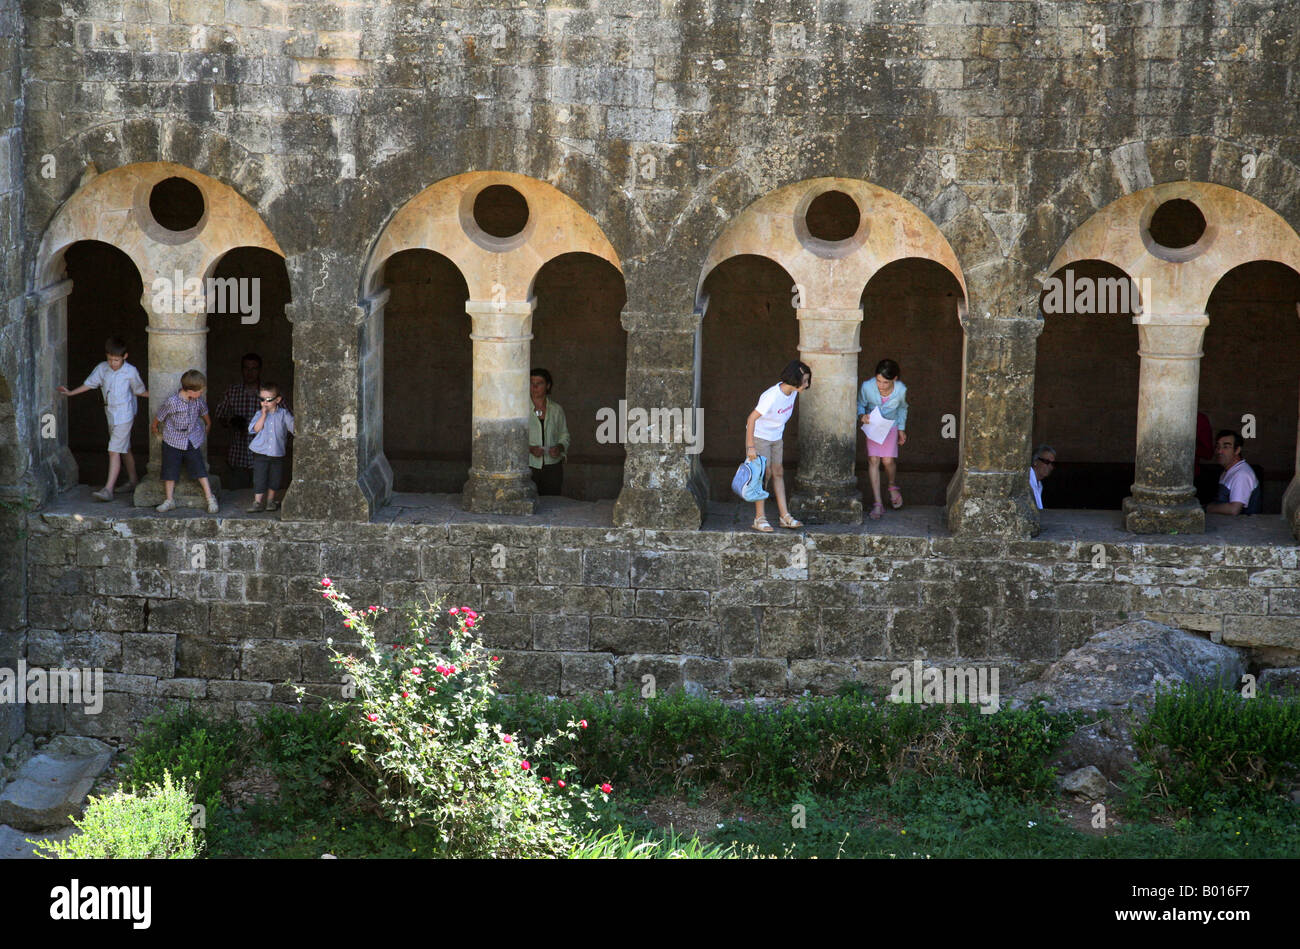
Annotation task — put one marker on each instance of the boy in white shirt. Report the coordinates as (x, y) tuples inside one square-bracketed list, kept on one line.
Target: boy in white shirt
[(121, 385), (763, 431)]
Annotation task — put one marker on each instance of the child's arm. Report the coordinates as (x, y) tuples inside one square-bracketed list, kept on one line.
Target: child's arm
[(901, 417), (749, 434), (64, 390), (862, 401), (258, 423), (288, 421), (207, 424)]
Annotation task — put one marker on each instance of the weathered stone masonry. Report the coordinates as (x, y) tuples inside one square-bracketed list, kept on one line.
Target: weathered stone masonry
[(1006, 126), (579, 609)]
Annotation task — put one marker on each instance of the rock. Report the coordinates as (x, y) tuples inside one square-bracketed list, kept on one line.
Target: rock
[(1087, 782), (1118, 671), (695, 690), (52, 786), (14, 845), (12, 724), (1281, 680), (1126, 665)]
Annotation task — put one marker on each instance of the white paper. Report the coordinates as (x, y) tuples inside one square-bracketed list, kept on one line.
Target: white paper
[(877, 426)]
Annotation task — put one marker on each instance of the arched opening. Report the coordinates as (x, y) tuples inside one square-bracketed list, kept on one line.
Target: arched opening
[(428, 373), (1086, 385), (578, 338), (1250, 373), (910, 316), (245, 298), (105, 301), (749, 334)]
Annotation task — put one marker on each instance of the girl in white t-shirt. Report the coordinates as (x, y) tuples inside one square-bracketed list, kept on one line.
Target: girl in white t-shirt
[(763, 432)]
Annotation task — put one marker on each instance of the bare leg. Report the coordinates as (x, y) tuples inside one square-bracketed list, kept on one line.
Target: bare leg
[(207, 489), (873, 473), (270, 495), (168, 488), (131, 476), (778, 488), (114, 467), (891, 469)]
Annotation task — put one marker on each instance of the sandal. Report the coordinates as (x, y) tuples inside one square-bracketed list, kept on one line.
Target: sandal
[(877, 510), (761, 524), (789, 520), (895, 497)]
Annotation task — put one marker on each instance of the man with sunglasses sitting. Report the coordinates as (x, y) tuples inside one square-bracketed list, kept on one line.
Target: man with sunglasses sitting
[(1040, 468)]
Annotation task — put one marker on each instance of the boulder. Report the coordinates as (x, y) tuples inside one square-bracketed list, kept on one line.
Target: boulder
[(1117, 673), (1087, 782), (1281, 681), (51, 788)]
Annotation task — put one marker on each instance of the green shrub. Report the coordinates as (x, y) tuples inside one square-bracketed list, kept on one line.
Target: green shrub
[(620, 845), (675, 742), (190, 745), (307, 753), (1203, 748), (156, 824), (420, 734)]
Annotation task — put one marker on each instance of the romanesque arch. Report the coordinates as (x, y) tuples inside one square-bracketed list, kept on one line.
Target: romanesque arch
[(831, 235), (175, 224), (500, 230), (1175, 284)]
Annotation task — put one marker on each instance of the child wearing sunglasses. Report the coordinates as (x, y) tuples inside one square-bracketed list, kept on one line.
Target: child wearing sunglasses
[(270, 430)]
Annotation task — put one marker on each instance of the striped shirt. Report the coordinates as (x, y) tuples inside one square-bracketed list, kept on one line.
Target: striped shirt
[(182, 421)]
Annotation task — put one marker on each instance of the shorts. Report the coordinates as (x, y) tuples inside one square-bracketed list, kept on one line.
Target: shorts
[(774, 452), (171, 462), (268, 472), (119, 437)]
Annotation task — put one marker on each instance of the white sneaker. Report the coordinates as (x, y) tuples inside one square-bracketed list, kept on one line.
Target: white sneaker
[(213, 506), (166, 506)]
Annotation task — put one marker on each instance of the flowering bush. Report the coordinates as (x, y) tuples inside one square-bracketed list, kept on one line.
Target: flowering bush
[(417, 723)]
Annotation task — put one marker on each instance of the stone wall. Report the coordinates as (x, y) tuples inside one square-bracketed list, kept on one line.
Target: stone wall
[(577, 609), (1008, 123)]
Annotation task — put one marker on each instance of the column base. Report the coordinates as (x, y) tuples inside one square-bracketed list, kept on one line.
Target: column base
[(1164, 512), (1291, 506), (827, 503), (658, 508), (496, 493), (992, 504), (150, 492)]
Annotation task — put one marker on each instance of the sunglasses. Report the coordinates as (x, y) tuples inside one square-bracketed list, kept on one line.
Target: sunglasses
[(1045, 461), (269, 400)]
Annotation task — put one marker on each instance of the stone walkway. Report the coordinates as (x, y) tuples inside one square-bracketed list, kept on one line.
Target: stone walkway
[(1062, 526)]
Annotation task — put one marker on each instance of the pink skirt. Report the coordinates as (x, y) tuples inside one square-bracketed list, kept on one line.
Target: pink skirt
[(886, 449)]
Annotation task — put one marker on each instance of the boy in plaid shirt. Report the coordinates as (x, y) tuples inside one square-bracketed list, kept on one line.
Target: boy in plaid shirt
[(183, 438)]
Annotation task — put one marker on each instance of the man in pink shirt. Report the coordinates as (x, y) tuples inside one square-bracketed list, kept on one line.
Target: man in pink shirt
[(1238, 487)]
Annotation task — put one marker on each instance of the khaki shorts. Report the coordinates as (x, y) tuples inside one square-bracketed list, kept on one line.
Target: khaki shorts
[(773, 452), (119, 437)]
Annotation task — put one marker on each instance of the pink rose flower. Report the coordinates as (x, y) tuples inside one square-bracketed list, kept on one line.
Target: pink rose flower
[(582, 724), (525, 765), (507, 739), (606, 788), (453, 611), (546, 780), (326, 582), (560, 783), (373, 717)]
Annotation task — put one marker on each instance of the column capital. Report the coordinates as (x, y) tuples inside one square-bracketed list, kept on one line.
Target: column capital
[(51, 293), (505, 307), (1172, 319), (500, 322)]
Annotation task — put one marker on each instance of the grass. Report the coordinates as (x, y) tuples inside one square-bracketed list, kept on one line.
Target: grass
[(826, 778)]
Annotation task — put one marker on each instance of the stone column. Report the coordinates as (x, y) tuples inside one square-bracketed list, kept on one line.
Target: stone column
[(47, 311), (1291, 499), (657, 478), (990, 494), (178, 342), (827, 488), (340, 473), (1164, 497), (499, 479)]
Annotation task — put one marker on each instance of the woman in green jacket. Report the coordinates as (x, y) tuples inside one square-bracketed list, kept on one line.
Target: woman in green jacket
[(548, 435)]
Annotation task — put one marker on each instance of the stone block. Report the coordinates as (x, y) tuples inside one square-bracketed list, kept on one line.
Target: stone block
[(265, 588), (922, 634), (116, 581), (61, 612), (271, 661), (503, 565), (752, 676), (300, 622), (665, 673), (819, 676), (589, 600), (182, 688), (507, 631), (675, 570), (854, 634), (93, 650), (629, 636), (672, 603), (232, 622), (177, 616), (788, 633), (1260, 631), (559, 566), (152, 654), (561, 633), (738, 629), (586, 673), (231, 691), (530, 672), (607, 568), (198, 657), (119, 614)]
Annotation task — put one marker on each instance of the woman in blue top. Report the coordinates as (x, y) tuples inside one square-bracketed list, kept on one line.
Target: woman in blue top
[(887, 393)]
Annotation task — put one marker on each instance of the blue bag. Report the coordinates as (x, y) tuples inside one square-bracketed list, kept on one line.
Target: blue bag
[(748, 482)]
